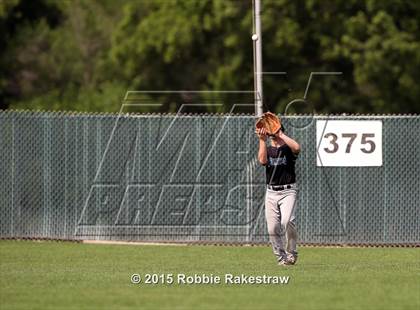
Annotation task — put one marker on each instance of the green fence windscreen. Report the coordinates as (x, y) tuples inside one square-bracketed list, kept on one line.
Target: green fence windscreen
[(194, 178)]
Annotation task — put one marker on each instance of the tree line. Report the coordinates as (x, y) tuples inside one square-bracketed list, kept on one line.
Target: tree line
[(83, 55)]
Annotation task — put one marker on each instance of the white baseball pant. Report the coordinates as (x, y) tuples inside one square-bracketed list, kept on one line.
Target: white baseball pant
[(280, 215)]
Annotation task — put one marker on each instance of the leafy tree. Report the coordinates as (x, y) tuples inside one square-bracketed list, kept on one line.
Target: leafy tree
[(185, 45), (15, 15), (204, 45), (383, 45), (85, 54), (65, 67)]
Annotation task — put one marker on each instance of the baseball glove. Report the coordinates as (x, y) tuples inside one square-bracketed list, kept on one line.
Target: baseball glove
[(270, 122)]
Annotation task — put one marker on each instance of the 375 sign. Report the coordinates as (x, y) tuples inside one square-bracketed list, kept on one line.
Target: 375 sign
[(344, 143)]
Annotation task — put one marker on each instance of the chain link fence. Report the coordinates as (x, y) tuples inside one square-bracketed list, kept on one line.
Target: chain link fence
[(194, 178)]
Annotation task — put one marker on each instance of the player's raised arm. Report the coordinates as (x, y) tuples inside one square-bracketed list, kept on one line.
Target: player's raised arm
[(262, 150), (294, 146)]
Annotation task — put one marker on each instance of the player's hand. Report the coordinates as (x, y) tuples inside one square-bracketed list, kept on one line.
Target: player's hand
[(261, 133), (280, 133)]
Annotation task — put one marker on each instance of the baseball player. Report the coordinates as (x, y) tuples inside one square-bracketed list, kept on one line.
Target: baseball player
[(279, 160)]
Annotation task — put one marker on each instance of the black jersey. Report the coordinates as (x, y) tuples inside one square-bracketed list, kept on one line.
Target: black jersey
[(280, 167)]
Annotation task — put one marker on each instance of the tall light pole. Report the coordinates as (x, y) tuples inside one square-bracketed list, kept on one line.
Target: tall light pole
[(258, 71)]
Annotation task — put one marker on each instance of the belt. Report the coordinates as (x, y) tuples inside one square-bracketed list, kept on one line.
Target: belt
[(281, 187)]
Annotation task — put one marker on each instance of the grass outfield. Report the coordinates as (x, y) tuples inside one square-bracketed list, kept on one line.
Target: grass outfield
[(51, 275)]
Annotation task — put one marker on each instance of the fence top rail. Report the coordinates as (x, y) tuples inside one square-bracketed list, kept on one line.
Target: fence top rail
[(41, 113)]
